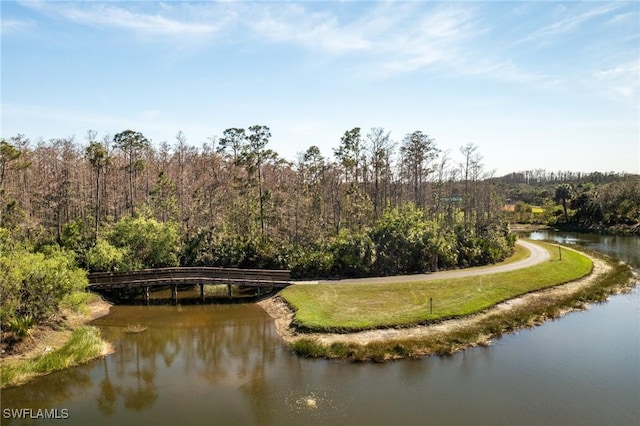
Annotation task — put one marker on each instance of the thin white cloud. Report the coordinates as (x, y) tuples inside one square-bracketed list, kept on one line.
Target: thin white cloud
[(113, 15), (623, 18), (117, 17), (567, 24), (396, 37), (294, 24), (11, 26), (621, 81), (437, 38), (507, 71)]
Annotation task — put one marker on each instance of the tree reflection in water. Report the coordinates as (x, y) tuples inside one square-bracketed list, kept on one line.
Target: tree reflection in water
[(202, 346)]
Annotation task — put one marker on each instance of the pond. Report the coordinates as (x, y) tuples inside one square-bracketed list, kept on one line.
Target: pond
[(225, 364)]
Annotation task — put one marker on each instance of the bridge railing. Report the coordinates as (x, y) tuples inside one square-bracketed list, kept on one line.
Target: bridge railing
[(202, 275)]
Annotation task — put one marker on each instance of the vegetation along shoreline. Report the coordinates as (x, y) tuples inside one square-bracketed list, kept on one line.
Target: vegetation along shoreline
[(72, 342), (66, 342), (449, 335)]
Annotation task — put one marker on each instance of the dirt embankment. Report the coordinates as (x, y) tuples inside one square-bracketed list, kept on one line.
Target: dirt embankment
[(56, 333)]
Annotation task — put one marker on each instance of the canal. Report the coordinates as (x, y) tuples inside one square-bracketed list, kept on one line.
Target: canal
[(225, 364)]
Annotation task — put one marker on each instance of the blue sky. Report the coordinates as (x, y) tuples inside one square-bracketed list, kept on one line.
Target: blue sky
[(533, 84)]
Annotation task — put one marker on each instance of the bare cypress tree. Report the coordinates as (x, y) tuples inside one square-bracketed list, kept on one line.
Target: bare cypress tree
[(380, 148), (8, 154)]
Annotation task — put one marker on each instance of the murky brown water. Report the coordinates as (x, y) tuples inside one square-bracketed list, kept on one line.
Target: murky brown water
[(225, 364)]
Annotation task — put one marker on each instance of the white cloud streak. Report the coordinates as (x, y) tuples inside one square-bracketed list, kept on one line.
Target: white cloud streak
[(111, 15), (12, 26), (117, 17), (621, 81), (397, 37), (567, 24), (292, 24)]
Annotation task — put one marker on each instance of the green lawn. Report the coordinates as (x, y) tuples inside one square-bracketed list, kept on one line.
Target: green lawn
[(352, 307)]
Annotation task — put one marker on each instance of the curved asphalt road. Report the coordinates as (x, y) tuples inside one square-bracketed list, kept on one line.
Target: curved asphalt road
[(537, 255)]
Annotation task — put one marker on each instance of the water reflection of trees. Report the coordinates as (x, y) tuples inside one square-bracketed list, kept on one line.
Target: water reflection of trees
[(232, 351), (208, 349), (48, 391)]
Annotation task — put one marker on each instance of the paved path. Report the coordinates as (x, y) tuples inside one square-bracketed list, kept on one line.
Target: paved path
[(537, 255)]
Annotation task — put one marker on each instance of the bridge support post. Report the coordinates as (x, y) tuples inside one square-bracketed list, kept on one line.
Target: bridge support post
[(146, 294), (174, 293), (202, 292), (229, 291)]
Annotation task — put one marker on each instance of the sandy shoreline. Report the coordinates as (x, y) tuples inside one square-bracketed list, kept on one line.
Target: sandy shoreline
[(283, 316), (50, 337)]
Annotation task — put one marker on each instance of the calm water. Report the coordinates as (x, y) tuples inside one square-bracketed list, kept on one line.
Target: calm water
[(224, 364)]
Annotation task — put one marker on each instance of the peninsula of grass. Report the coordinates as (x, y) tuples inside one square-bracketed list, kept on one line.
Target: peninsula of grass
[(618, 277), (84, 345), (342, 308)]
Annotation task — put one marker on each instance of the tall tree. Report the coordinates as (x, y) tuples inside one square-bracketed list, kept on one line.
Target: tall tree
[(350, 154), (310, 173), (8, 153), (181, 153), (470, 168), (163, 199), (564, 194), (255, 156), (418, 151), (98, 157), (380, 149), (232, 143), (66, 195), (132, 144)]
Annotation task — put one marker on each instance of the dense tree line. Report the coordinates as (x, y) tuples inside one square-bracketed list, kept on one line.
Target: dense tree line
[(375, 206), (585, 200), (542, 177), (614, 205)]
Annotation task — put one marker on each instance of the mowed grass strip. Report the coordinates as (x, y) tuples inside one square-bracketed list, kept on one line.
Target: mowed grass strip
[(355, 307)]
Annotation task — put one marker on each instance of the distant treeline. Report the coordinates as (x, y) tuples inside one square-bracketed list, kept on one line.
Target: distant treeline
[(545, 177), (604, 201)]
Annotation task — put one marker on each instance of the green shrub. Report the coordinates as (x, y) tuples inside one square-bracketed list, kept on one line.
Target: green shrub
[(353, 254), (105, 257), (146, 243), (313, 263), (33, 285)]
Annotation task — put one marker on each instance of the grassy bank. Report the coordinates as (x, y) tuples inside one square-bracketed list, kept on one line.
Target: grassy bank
[(85, 344), (348, 308), (545, 305)]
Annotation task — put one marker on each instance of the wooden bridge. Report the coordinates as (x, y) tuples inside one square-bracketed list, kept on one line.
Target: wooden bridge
[(262, 280)]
